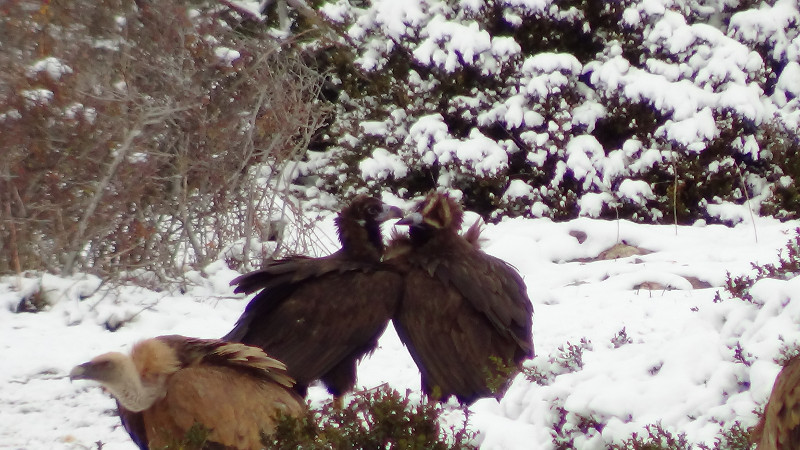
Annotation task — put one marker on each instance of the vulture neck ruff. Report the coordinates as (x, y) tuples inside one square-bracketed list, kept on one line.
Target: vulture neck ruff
[(121, 378)]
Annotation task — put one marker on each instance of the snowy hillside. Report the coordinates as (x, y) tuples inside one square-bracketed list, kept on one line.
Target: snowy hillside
[(654, 345)]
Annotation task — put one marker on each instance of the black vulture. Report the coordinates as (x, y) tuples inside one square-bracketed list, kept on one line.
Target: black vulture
[(465, 316), (168, 384), (321, 315), (779, 427)]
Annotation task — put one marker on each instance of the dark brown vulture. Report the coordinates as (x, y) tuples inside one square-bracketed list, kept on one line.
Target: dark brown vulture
[(321, 315), (779, 428), (170, 383), (465, 316)]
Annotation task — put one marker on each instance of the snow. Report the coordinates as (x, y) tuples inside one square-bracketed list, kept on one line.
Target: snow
[(53, 66), (591, 204), (226, 55), (676, 366), (637, 190), (551, 62), (582, 151), (789, 81), (694, 131), (35, 97), (518, 188), (382, 165), (465, 43), (252, 6), (767, 24), (485, 155)]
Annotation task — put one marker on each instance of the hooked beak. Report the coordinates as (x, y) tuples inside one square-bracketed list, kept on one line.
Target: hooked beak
[(412, 219), (80, 372), (389, 212)]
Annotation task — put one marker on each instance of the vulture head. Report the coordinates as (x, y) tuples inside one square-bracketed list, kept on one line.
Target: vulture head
[(135, 386), (359, 226), (436, 213)]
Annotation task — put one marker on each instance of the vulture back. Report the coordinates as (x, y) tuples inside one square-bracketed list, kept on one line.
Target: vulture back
[(321, 315), (235, 392), (779, 427), (465, 316)]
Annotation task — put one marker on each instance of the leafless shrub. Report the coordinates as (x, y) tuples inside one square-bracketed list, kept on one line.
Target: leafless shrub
[(145, 138)]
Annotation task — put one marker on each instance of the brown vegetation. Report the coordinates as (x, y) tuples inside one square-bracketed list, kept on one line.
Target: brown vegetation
[(136, 137)]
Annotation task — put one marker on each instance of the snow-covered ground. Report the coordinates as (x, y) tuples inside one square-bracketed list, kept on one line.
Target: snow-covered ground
[(676, 367)]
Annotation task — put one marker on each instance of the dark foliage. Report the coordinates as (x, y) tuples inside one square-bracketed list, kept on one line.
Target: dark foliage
[(377, 419), (398, 89), (788, 266), (657, 438)]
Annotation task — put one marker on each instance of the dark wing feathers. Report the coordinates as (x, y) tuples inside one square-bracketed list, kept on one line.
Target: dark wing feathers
[(489, 284), (274, 273), (133, 422), (451, 344), (317, 315), (291, 272), (465, 316), (494, 288), (277, 281)]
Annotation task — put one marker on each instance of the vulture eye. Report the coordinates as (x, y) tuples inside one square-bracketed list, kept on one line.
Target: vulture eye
[(102, 365), (373, 210)]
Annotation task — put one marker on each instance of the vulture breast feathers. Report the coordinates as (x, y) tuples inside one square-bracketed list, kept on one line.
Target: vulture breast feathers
[(321, 315), (779, 428), (465, 316), (170, 383)]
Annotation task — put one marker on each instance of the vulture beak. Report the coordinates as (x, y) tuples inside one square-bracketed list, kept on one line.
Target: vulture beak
[(80, 372), (388, 213), (412, 219)]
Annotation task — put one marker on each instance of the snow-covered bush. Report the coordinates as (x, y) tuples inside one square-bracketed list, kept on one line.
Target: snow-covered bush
[(650, 110)]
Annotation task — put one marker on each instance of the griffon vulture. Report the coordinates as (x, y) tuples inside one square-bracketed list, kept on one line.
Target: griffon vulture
[(170, 383), (779, 427), (465, 316), (321, 315)]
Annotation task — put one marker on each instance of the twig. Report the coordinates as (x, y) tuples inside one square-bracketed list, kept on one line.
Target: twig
[(675, 197), (747, 197), (148, 118), (11, 225)]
